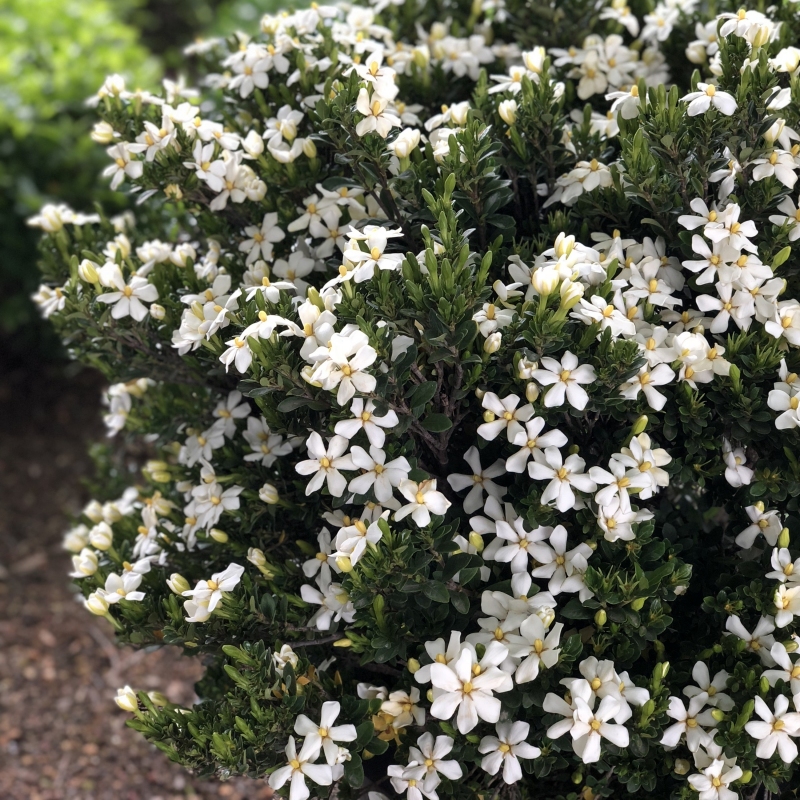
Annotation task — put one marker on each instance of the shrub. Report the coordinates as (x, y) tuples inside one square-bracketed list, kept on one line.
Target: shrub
[(52, 57), (467, 349)]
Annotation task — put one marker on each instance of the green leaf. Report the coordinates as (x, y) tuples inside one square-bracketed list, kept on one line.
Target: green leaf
[(422, 393), (436, 423), (354, 771), (436, 591)]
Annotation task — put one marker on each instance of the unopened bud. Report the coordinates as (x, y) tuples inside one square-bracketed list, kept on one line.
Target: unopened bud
[(508, 111), (342, 643), (218, 536), (476, 540), (268, 494), (784, 538), (173, 191), (747, 776), (413, 665), (571, 293), (429, 695), (577, 777), (126, 699), (87, 270), (157, 311), (763, 685), (344, 563), (256, 557), (638, 604), (479, 393), (493, 342), (640, 425), (531, 392), (545, 281), (97, 604), (158, 699), (102, 133), (489, 416), (718, 714), (253, 144), (682, 766), (101, 537), (600, 618), (177, 583), (309, 148)]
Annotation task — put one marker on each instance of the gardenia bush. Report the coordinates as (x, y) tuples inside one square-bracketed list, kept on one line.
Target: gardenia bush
[(467, 351)]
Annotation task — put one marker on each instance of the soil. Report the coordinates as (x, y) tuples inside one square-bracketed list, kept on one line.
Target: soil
[(62, 737)]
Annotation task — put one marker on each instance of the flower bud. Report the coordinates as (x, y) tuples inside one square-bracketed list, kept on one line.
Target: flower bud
[(413, 665), (429, 695), (718, 714), (102, 133), (76, 539), (696, 52), (87, 270), (571, 293), (101, 537), (493, 342), (342, 643), (576, 777), (747, 776), (640, 425), (94, 511), (85, 564), (158, 699), (531, 392), (784, 538), (476, 540), (344, 563), (600, 618), (638, 603), (126, 699), (173, 191), (177, 583), (97, 604), (268, 494), (525, 368), (218, 536), (489, 416), (545, 280), (508, 111), (253, 144), (480, 393), (309, 148), (682, 766)]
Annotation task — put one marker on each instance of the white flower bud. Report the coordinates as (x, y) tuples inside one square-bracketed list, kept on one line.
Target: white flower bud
[(157, 311), (309, 148), (405, 142), (76, 539), (111, 513), (102, 133), (87, 270), (256, 557), (218, 535), (94, 511), (182, 253), (177, 583), (126, 699), (571, 293), (97, 604), (531, 392), (508, 111), (85, 564), (545, 280), (696, 52), (253, 144), (101, 537), (492, 343), (268, 494)]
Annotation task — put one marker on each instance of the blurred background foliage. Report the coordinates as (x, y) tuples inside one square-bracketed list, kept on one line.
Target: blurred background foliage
[(53, 55)]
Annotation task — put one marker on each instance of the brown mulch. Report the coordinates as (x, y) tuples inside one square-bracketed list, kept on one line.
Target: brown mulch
[(61, 735)]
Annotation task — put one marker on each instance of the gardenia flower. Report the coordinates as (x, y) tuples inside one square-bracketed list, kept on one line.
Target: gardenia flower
[(122, 587), (565, 379), (508, 416), (774, 730), (430, 755), (787, 604), (479, 482), (537, 647), (364, 419), (530, 441), (333, 601), (461, 689), (323, 736), (590, 727), (646, 381), (324, 463), (713, 782), (377, 117), (506, 749), (735, 472), (423, 500), (300, 767), (262, 237), (759, 641), (379, 476), (343, 364), (563, 568), (708, 95), (209, 593), (563, 476), (515, 544), (692, 722), (130, 297)]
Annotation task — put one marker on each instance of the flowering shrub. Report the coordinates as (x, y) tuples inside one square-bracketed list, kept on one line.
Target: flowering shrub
[(467, 350)]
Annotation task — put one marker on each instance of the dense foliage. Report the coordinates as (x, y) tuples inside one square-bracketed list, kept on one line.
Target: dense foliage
[(465, 339)]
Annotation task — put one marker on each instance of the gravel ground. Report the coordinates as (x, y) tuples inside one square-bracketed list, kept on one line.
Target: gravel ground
[(61, 735)]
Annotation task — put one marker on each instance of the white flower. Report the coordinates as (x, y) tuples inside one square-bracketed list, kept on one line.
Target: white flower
[(707, 95), (377, 117), (505, 749), (333, 601), (787, 604), (266, 446), (479, 482), (325, 734), (515, 544), (779, 164), (283, 657), (590, 727), (692, 722), (784, 569), (324, 463), (430, 754), (563, 476), (343, 363), (375, 240), (713, 783), (379, 476), (759, 641), (352, 540), (618, 484), (130, 297), (766, 522), (262, 237), (123, 166), (49, 300), (564, 379), (323, 561), (404, 709), (788, 403), (642, 459), (713, 688), (423, 500), (563, 567), (537, 646), (790, 216), (460, 688), (530, 441), (736, 473), (774, 731), (646, 381), (299, 767), (122, 587), (508, 416), (789, 672), (364, 419), (209, 593)]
